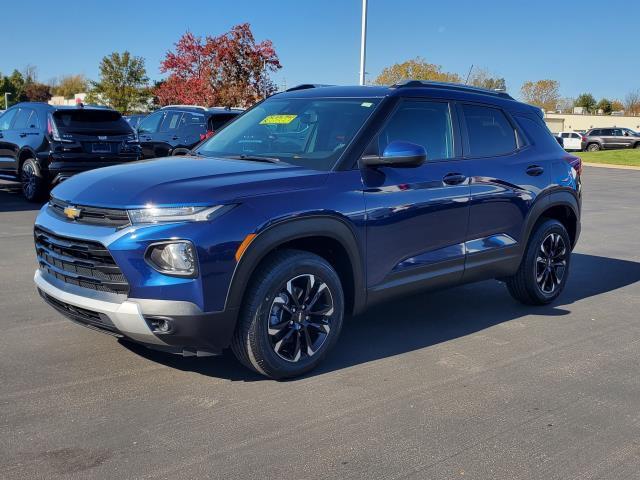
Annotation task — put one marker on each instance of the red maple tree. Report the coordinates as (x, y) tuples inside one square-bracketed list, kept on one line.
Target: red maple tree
[(227, 70)]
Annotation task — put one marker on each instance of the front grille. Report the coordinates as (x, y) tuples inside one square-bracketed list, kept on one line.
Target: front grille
[(79, 262), (109, 217), (88, 318)]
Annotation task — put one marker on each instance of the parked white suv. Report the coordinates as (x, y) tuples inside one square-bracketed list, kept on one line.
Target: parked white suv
[(571, 140)]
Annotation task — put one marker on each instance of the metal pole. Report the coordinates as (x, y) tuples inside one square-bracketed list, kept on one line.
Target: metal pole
[(363, 42), (6, 100)]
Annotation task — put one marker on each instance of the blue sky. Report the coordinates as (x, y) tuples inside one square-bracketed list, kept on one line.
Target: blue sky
[(573, 42)]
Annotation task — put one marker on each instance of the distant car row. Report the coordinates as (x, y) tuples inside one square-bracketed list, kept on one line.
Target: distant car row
[(600, 139), (42, 145)]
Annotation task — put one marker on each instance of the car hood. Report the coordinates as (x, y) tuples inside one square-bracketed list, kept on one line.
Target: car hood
[(183, 180)]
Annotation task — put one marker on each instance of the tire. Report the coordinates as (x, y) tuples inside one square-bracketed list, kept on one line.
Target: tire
[(273, 336), (548, 250), (593, 147), (637, 145), (34, 186)]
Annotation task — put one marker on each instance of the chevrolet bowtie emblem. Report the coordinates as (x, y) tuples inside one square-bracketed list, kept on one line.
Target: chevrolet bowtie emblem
[(72, 212)]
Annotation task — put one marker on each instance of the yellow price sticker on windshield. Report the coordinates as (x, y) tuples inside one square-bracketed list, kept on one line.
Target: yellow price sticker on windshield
[(278, 119)]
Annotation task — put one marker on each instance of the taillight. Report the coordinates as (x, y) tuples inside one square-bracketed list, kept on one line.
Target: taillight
[(575, 162), (52, 130), (209, 134), (584, 139)]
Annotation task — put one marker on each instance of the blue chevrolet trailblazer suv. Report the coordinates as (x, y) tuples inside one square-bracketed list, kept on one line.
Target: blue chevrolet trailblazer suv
[(313, 205)]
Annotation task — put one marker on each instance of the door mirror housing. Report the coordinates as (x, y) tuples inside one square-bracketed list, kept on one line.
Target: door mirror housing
[(398, 154)]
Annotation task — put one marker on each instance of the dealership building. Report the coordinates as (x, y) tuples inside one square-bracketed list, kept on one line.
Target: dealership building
[(566, 122)]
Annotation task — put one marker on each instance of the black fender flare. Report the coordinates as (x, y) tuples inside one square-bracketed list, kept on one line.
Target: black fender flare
[(565, 198), (293, 229), (19, 160)]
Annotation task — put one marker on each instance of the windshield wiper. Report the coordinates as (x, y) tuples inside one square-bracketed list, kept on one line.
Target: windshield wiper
[(254, 158)]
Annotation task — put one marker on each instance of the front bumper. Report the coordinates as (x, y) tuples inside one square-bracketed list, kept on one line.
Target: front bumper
[(193, 332)]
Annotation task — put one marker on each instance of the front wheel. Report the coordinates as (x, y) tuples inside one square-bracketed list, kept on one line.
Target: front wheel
[(34, 185), (544, 269), (292, 315)]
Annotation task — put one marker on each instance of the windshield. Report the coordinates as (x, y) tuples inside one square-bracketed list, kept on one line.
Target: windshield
[(310, 132)]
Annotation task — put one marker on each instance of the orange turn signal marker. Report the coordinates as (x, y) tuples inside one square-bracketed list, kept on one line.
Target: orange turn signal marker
[(244, 245)]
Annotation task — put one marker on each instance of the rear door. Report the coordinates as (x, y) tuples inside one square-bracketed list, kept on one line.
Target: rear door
[(193, 129), (416, 217), (505, 178), (7, 141), (148, 133), (168, 136), (608, 139)]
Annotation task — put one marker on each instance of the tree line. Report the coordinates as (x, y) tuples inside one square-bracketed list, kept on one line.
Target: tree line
[(233, 69)]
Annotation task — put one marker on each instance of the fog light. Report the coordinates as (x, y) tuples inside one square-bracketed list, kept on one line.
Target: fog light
[(173, 258)]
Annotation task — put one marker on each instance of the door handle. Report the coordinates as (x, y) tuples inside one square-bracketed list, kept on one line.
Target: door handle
[(454, 178), (535, 170), (175, 137), (22, 135)]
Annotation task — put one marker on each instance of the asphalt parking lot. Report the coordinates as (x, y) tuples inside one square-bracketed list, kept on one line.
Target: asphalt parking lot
[(463, 383)]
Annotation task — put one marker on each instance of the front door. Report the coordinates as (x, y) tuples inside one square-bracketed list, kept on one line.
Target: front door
[(416, 217)]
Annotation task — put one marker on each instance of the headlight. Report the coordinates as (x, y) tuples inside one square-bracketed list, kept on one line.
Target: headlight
[(173, 258), (171, 214)]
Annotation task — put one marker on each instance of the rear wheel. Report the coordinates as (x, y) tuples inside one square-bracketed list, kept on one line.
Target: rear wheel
[(34, 185), (292, 315), (593, 147), (637, 145), (544, 268)]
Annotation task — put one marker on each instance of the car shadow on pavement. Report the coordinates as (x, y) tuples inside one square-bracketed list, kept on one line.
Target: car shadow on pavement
[(11, 199), (420, 321)]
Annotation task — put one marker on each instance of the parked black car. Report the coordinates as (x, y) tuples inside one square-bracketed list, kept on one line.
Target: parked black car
[(610, 138), (42, 145), (176, 129)]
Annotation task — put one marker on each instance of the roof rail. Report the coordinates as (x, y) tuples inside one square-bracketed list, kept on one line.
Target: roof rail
[(451, 86), (184, 106), (306, 86)]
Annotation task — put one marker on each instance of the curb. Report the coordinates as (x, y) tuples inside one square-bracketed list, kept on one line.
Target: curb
[(607, 165)]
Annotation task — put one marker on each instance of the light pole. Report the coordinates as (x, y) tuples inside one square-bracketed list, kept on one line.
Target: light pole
[(6, 100), (363, 41)]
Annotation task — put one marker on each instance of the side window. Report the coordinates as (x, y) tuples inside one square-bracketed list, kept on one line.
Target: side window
[(6, 118), (606, 132), (489, 132), (22, 119), (565, 135), (171, 121), (423, 123), (575, 135), (217, 121), (617, 132), (151, 123)]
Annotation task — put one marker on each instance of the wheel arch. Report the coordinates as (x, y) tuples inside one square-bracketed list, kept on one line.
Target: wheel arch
[(562, 206), (23, 155), (327, 236)]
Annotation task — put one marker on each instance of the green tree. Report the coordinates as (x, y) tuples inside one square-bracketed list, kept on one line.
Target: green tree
[(415, 69), (542, 93), (604, 105), (18, 82), (586, 101), (68, 85), (123, 83), (617, 106)]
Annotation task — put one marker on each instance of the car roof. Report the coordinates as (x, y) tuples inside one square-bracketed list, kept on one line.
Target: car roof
[(198, 109), (60, 107), (410, 88)]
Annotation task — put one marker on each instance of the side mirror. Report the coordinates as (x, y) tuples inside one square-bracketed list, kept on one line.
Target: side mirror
[(398, 154)]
